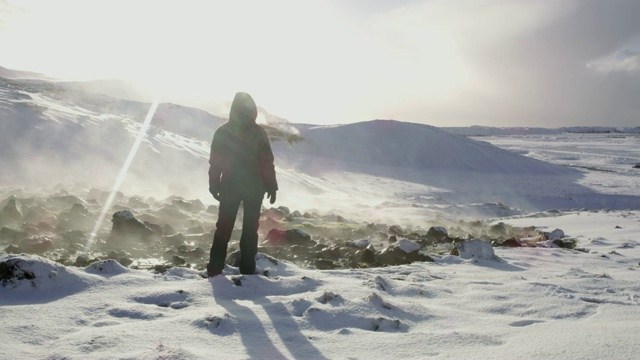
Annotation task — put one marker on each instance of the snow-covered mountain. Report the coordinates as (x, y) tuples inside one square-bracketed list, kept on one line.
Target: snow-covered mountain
[(50, 134)]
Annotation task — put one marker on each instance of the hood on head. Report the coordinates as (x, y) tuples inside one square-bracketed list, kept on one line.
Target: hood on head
[(243, 108)]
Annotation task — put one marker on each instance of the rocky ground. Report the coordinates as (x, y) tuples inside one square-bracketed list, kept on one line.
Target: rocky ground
[(157, 234)]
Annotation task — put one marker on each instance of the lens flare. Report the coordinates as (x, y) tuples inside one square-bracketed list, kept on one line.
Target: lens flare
[(123, 173)]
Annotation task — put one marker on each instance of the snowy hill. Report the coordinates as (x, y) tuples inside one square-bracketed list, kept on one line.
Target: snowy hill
[(17, 74), (411, 146)]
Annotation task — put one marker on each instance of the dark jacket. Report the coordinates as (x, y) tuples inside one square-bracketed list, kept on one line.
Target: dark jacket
[(241, 159)]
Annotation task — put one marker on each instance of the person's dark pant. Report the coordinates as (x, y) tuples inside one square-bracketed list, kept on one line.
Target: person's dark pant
[(229, 204)]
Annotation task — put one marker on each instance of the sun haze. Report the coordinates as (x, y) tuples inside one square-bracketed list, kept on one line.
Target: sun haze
[(489, 62)]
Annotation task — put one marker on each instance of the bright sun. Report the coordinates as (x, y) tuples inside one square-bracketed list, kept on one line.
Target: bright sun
[(317, 65)]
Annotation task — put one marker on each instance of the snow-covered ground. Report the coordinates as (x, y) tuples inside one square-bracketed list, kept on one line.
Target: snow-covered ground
[(526, 303)]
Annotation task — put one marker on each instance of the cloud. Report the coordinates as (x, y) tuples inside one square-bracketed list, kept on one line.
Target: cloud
[(624, 61)]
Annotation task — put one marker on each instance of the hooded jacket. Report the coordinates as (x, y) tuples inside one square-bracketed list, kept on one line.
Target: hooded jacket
[(241, 159)]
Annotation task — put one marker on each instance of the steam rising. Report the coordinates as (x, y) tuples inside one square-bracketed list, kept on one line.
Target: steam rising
[(123, 172)]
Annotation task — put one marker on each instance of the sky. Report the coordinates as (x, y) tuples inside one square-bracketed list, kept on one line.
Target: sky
[(443, 63)]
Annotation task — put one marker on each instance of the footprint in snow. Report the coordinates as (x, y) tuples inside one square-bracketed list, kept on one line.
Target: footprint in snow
[(175, 300), (329, 297), (521, 323)]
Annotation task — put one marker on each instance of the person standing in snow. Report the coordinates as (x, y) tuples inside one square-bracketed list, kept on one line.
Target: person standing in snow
[(241, 171)]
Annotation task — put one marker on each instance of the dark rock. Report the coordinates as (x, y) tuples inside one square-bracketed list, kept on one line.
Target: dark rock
[(30, 230), (395, 230), (346, 251), (319, 247), (402, 252), (177, 260), (393, 239), (275, 213), (137, 202), (324, 264), (196, 254), (173, 213), (63, 201), (367, 255), (157, 229), (115, 255), (192, 206), (73, 237), (36, 244), (330, 253), (74, 221), (275, 251), (11, 214), (196, 230), (566, 243), (161, 268), (127, 228), (34, 216), (168, 230), (82, 261), (437, 234), (556, 234), (173, 240), (296, 214), (12, 271), (233, 259), (512, 242), (12, 249), (299, 250), (285, 209), (125, 261), (270, 223), (498, 230), (277, 237), (636, 166), (12, 235), (359, 244), (212, 209), (79, 209)]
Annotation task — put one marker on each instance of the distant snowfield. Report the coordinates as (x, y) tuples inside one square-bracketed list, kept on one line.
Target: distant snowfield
[(594, 171), (613, 154)]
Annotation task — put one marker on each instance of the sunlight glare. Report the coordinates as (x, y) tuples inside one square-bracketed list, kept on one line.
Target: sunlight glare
[(123, 173)]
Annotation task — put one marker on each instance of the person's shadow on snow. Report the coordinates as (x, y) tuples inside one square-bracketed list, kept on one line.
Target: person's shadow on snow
[(229, 294)]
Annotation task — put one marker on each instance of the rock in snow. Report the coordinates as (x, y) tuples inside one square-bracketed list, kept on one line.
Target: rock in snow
[(476, 249), (127, 227)]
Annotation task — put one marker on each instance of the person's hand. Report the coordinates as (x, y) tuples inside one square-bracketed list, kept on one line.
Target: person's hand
[(271, 195), (215, 192)]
